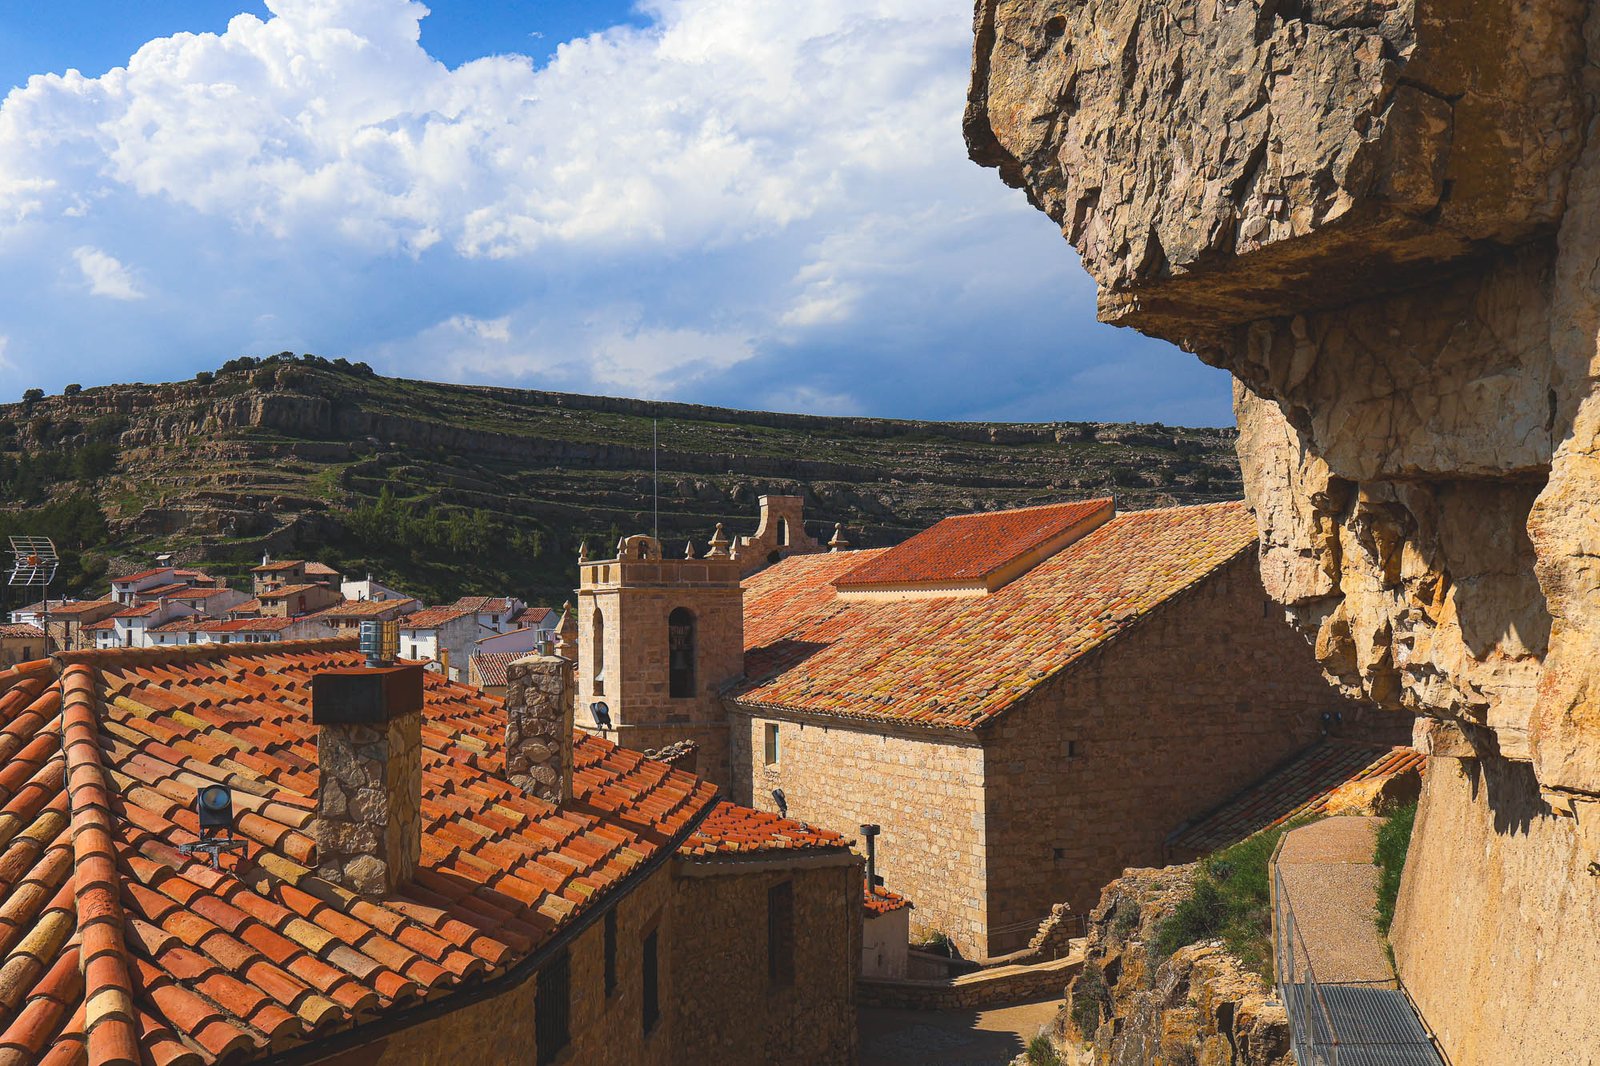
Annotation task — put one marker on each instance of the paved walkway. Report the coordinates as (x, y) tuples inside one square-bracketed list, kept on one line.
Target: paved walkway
[(1332, 886), (1356, 1015), (950, 1037)]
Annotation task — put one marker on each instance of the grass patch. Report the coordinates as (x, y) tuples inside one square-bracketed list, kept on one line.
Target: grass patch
[(1231, 901), (1042, 1053), (1389, 855)]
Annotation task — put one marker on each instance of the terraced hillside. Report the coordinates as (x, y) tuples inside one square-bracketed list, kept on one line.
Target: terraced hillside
[(447, 489)]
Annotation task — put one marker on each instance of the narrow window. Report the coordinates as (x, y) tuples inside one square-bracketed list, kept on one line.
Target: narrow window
[(783, 532), (1072, 749), (652, 981), (780, 933), (597, 651), (770, 731), (680, 653), (552, 1009), (611, 952)]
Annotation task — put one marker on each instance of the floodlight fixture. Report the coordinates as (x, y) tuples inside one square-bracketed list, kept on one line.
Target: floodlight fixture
[(213, 805), (601, 713), (783, 804)]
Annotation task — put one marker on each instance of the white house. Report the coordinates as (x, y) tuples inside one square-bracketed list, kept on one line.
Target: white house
[(444, 635), (369, 590), (131, 626), (126, 589), (493, 613), (198, 630)]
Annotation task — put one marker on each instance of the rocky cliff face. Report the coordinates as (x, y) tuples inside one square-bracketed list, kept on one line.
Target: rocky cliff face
[(1198, 1007), (1382, 217)]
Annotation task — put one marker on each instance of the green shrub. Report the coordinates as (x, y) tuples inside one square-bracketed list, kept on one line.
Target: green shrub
[(1389, 855), (205, 377), (1042, 1053), (72, 390), (1230, 901), (1091, 999)]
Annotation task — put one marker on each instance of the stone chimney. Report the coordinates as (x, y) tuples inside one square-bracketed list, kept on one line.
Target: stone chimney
[(369, 792), (539, 705)]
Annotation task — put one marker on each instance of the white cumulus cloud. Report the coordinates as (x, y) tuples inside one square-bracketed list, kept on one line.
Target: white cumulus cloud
[(736, 190), (105, 275)]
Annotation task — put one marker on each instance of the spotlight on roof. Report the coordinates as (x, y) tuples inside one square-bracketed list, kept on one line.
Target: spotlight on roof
[(602, 714), (213, 804), (783, 804)]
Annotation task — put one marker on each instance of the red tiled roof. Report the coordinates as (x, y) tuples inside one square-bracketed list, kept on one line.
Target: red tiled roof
[(34, 608), (362, 608), (432, 617), (321, 570), (163, 590), (483, 604), (286, 591), (731, 829), (275, 565), (879, 900), (491, 666), (972, 546), (80, 606), (127, 950), (1301, 787), (199, 594), (141, 575), (531, 617), (109, 622), (20, 630), (956, 662), (247, 607)]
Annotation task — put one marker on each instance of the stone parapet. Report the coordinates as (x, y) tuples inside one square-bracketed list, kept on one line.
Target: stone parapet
[(994, 987)]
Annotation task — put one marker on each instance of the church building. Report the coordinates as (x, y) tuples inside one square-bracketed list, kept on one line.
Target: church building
[(1025, 701)]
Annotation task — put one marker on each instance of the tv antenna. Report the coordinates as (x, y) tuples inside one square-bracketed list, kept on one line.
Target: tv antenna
[(34, 562)]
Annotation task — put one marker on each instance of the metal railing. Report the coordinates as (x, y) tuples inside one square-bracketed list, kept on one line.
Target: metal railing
[(1354, 1022), (1311, 1028)]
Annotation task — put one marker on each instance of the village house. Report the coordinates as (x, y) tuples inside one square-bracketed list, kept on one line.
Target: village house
[(213, 602), (494, 614), (368, 589), (442, 635), (344, 618), (1025, 701), (20, 642), (130, 626), (198, 630), (292, 601), (65, 619), (276, 573), (193, 885)]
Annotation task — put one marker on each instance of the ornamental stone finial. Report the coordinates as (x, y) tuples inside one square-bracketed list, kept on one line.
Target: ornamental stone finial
[(838, 543), (719, 544)]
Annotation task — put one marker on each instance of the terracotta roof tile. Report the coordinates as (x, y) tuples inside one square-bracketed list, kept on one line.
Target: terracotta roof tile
[(286, 591), (1301, 787), (973, 546), (321, 570), (432, 617), (731, 829), (956, 662), (491, 665), (483, 604), (877, 900), (277, 565), (21, 630), (142, 574), (124, 949)]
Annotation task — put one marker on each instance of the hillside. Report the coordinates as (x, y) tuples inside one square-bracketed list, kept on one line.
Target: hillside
[(449, 489)]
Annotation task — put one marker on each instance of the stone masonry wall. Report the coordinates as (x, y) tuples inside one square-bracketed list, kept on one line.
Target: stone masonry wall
[(369, 803), (725, 1009), (925, 792), (606, 1030), (1195, 703), (538, 706)]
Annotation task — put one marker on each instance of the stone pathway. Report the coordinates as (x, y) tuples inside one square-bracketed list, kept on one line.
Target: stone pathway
[(950, 1037), (1332, 885)]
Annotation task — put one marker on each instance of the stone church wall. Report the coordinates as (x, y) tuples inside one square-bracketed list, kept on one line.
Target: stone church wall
[(1199, 700), (926, 792)]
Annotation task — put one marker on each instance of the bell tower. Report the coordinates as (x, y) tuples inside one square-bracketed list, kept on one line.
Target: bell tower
[(658, 639)]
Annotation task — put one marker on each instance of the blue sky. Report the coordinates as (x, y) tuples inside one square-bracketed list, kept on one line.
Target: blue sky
[(737, 202)]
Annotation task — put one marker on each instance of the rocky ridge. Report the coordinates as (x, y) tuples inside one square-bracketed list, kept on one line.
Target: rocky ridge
[(277, 459)]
